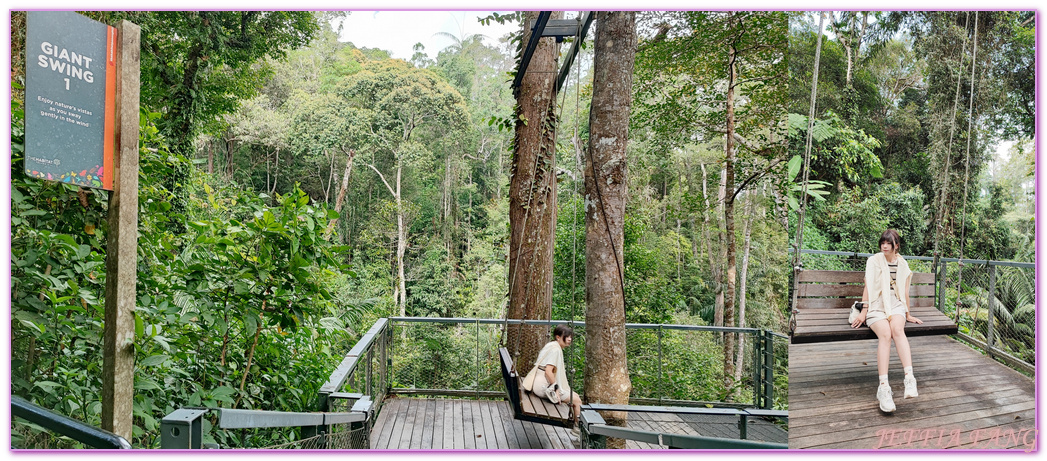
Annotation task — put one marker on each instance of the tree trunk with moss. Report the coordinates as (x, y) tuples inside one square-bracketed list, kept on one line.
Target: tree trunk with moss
[(532, 200)]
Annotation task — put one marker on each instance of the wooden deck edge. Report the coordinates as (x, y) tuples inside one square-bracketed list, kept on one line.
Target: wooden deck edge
[(865, 333)]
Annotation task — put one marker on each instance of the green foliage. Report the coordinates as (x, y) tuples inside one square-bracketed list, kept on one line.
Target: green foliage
[(855, 219), (243, 302), (813, 188), (904, 211), (246, 268), (838, 152)]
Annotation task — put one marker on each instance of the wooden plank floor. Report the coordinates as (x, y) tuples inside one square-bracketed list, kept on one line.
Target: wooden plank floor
[(414, 423), (435, 424), (966, 400), (701, 425)]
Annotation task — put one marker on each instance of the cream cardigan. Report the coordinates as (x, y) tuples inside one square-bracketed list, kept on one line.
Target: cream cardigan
[(552, 354), (878, 281)]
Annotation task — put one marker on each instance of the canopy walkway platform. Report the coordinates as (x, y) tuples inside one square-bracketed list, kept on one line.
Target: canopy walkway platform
[(967, 400), (435, 424), (438, 384)]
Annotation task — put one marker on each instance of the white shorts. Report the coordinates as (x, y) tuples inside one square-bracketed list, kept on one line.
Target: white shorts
[(897, 308)]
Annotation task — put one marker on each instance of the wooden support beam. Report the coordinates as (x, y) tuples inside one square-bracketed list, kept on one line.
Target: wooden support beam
[(122, 242)]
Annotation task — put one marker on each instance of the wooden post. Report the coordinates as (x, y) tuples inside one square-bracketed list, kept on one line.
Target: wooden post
[(122, 243)]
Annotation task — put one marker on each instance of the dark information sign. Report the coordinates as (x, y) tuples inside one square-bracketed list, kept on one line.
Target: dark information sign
[(70, 97)]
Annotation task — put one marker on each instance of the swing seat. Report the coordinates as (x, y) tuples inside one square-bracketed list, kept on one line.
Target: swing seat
[(527, 406), (824, 299)]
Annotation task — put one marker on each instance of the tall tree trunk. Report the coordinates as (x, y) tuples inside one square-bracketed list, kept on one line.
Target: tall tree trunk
[(401, 244), (606, 374), (210, 157), (341, 193), (713, 245), (728, 216), (276, 172), (399, 285), (532, 199), (851, 39), (229, 158), (750, 213), (720, 257)]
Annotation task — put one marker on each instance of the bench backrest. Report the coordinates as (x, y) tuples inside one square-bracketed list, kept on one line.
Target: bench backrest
[(512, 384), (839, 289)]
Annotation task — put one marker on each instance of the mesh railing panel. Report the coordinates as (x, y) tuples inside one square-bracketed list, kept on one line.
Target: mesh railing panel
[(1011, 296), (967, 293), (456, 357), (340, 438), (669, 364)]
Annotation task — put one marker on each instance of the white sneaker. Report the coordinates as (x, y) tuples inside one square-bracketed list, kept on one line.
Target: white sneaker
[(886, 398), (910, 387), (553, 392)]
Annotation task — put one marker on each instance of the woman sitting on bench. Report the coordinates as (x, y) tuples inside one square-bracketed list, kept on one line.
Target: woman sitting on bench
[(550, 382), (887, 278)]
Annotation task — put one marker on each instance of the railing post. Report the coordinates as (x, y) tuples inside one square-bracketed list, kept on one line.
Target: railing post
[(768, 363), (368, 378), (661, 383), (992, 308), (323, 403), (389, 357), (743, 426), (365, 406), (182, 429), (757, 370), (590, 440), (940, 282), (477, 364)]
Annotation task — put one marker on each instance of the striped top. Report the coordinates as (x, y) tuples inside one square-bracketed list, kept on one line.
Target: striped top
[(894, 275)]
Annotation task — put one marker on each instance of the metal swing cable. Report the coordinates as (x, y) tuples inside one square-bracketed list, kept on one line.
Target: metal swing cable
[(967, 164), (516, 264), (798, 257), (574, 213), (948, 151)]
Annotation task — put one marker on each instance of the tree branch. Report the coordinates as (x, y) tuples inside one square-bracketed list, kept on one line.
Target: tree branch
[(754, 177), (382, 176)]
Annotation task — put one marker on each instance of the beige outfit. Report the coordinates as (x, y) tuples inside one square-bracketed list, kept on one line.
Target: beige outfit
[(551, 354), (882, 293)]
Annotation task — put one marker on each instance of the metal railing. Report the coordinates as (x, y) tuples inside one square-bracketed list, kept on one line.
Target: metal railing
[(182, 429), (595, 431), (668, 364), (458, 357), (992, 302), (90, 436)]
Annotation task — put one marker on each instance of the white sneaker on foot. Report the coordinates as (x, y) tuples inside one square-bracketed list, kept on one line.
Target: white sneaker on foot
[(910, 387), (553, 393), (886, 398)]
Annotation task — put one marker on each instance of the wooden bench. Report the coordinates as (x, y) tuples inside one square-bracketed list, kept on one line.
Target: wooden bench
[(824, 299), (526, 405)]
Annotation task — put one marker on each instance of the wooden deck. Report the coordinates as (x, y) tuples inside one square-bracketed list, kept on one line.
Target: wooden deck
[(966, 400), (435, 424)]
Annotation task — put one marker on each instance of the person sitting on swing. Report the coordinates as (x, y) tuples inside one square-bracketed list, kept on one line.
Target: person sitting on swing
[(887, 278), (550, 381)]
